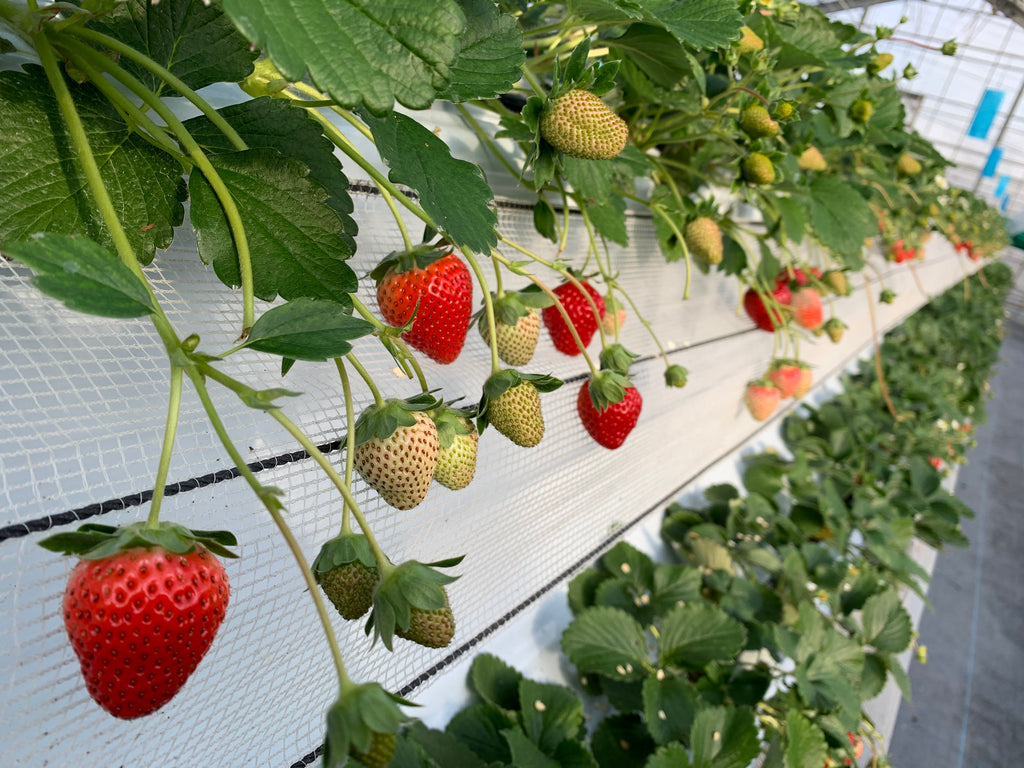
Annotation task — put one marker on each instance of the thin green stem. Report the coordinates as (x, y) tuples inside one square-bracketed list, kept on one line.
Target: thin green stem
[(366, 377), (409, 357), (488, 307), (390, 201), (350, 438), (273, 506), (534, 83), (167, 449), (166, 76)]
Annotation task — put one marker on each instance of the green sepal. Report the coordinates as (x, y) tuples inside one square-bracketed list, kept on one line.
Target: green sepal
[(418, 257), (343, 549), (675, 376), (93, 541), (381, 421), (617, 358), (516, 304), (451, 422), (607, 388), (358, 713), (410, 585)]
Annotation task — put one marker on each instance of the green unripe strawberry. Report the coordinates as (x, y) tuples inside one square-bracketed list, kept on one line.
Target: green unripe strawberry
[(516, 414), (350, 587), (757, 123), (835, 327), (887, 296), (783, 110), (431, 629), (704, 239), (516, 343), (382, 749), (861, 111), (811, 160), (757, 169), (579, 124), (878, 63), (949, 48), (749, 42), (456, 462), (908, 165), (836, 281)]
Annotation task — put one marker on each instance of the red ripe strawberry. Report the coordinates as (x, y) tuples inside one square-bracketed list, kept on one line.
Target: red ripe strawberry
[(786, 375), (807, 311), (611, 425), (762, 398), (580, 313), (759, 313), (440, 282), (140, 621)]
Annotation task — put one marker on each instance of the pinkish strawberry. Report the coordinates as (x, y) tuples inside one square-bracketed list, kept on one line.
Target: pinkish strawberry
[(806, 379), (807, 310), (762, 398), (786, 375)]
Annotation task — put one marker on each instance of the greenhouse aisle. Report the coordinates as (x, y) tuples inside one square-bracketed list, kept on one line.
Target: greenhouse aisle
[(968, 700)]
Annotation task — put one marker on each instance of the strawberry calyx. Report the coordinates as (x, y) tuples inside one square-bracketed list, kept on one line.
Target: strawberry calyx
[(356, 719), (380, 420), (512, 305), (344, 549), (676, 376), (607, 388), (451, 422), (418, 257), (409, 585), (616, 357), (93, 541)]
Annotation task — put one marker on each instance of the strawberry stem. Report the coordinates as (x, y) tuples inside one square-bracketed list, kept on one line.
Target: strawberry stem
[(350, 438), (878, 351), (390, 201), (170, 431), (488, 307), (365, 375)]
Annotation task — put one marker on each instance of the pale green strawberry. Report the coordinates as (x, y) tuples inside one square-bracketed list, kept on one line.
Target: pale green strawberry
[(835, 327), (382, 749), (431, 629), (908, 165), (400, 466), (456, 462), (836, 281), (757, 168), (579, 124), (516, 414), (704, 239), (757, 123), (878, 63), (749, 42), (516, 343), (811, 160), (861, 111), (350, 587)]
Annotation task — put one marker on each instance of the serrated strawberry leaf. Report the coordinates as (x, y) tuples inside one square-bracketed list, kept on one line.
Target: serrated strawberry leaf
[(542, 381), (490, 54), (695, 635), (526, 754), (267, 123), (306, 329), (360, 53), (83, 275), (294, 237), (805, 743), (191, 38), (480, 727), (549, 713), (495, 682), (43, 186), (700, 23), (724, 737), (441, 748), (886, 623), (454, 192), (670, 705), (669, 756), (841, 219), (607, 641)]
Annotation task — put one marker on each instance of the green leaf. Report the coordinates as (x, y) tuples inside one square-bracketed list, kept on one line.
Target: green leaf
[(490, 55), (480, 728), (872, 679), (840, 217), (526, 754), (42, 184), (669, 756), (899, 674), (83, 275), (724, 737), (495, 682), (305, 329), (607, 641), (887, 624), (700, 23), (443, 748), (626, 561), (670, 705), (622, 741), (191, 38), (267, 123), (609, 218), (805, 743), (549, 713), (924, 478), (792, 219), (695, 635), (454, 192), (656, 52), (360, 52), (293, 236), (590, 178)]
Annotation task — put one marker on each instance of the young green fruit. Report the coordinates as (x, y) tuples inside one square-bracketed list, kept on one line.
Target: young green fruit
[(861, 111), (431, 629), (456, 460), (757, 123), (516, 343), (516, 414), (704, 239), (835, 327), (878, 63), (382, 749), (349, 587), (749, 42), (908, 165), (811, 160), (579, 124), (757, 169)]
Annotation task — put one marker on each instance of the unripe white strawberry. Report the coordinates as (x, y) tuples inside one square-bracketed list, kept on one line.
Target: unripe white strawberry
[(811, 160), (516, 343), (401, 466), (704, 239), (579, 124)]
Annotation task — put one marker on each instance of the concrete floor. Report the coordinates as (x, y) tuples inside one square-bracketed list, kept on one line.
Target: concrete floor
[(968, 700)]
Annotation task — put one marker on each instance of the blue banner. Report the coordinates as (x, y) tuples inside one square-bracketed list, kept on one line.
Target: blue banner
[(993, 160), (985, 114), (1004, 182)]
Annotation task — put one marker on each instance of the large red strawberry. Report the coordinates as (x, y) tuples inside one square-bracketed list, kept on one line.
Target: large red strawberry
[(755, 307), (437, 287), (609, 422), (581, 314), (141, 617)]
